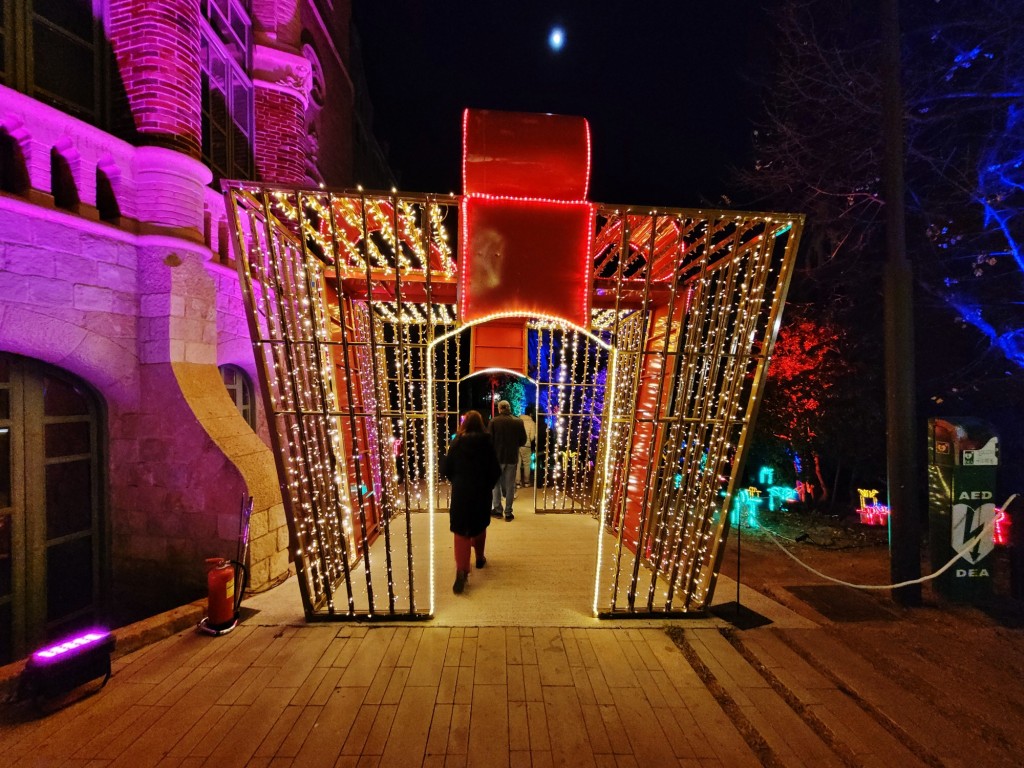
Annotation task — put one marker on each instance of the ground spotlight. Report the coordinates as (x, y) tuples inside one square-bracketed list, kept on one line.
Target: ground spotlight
[(67, 664)]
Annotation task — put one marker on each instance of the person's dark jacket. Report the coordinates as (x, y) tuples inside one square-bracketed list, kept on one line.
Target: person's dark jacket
[(508, 434), (473, 469)]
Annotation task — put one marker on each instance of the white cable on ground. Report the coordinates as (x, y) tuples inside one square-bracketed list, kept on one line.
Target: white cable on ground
[(986, 529)]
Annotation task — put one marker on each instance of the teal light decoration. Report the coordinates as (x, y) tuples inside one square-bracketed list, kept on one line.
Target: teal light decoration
[(779, 495), (515, 393), (746, 502)]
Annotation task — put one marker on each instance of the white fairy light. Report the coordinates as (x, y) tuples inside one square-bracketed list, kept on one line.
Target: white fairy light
[(730, 267)]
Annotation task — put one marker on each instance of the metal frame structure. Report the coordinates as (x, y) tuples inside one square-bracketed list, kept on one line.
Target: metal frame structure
[(351, 300)]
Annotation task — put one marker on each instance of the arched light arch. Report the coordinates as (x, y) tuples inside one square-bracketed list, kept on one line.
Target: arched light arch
[(431, 416)]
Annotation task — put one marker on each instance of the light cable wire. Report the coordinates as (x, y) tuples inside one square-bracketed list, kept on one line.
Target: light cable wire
[(967, 547)]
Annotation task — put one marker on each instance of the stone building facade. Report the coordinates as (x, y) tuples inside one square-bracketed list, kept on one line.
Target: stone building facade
[(130, 424)]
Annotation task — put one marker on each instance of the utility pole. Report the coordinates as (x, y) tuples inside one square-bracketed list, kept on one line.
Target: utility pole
[(902, 443)]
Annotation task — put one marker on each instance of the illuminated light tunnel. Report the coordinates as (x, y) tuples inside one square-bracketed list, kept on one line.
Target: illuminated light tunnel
[(646, 332)]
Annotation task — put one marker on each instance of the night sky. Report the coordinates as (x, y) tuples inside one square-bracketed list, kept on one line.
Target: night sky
[(665, 86)]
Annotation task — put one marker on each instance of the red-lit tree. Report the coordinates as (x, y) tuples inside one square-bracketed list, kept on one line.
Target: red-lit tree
[(818, 413)]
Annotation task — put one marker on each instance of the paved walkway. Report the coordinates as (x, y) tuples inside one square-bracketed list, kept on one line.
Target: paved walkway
[(540, 573), (499, 696), (928, 688)]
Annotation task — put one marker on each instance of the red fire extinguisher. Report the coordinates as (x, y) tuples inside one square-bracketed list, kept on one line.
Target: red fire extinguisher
[(220, 598), (226, 581)]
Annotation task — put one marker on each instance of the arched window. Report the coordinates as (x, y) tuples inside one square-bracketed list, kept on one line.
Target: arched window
[(106, 198), (239, 388), (13, 173), (62, 182)]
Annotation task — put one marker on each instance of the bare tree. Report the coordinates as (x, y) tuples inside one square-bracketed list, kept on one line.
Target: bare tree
[(819, 150)]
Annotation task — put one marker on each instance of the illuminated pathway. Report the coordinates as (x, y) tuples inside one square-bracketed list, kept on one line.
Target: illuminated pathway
[(540, 572)]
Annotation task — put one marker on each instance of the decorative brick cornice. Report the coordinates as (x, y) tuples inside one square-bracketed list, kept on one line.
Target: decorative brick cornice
[(279, 70)]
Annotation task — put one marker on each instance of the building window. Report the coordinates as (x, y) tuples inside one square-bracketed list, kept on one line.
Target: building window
[(31, 31), (226, 60), (239, 388), (318, 86), (317, 99), (231, 23), (52, 532)]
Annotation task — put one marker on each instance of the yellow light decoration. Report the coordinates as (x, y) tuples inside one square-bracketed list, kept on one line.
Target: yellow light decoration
[(351, 388)]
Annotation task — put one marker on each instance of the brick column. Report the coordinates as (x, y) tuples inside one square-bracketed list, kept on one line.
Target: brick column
[(157, 51), (282, 82)]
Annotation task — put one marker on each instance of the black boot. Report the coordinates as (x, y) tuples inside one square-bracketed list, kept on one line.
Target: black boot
[(460, 582)]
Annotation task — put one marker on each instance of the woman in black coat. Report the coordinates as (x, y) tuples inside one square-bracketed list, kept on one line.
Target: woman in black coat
[(472, 466)]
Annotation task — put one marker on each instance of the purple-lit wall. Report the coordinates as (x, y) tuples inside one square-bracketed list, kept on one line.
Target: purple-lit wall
[(144, 318), (144, 306)]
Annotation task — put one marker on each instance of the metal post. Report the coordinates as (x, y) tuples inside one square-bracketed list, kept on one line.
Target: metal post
[(901, 443)]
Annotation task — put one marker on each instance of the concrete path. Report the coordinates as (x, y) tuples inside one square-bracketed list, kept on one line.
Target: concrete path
[(540, 573)]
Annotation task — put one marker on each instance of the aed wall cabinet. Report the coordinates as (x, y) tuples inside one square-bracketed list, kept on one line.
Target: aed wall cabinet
[(963, 457)]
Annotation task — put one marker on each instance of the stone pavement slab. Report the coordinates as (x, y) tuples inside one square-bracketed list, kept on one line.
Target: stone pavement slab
[(540, 572)]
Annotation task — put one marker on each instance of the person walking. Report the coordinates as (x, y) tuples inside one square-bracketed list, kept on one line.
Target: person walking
[(508, 434), (525, 476), (472, 467)]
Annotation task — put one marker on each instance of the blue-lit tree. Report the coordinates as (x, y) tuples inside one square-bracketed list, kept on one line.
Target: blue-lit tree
[(964, 77), (515, 391), (819, 148), (550, 356)]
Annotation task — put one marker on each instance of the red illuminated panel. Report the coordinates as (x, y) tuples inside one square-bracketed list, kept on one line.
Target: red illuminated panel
[(499, 344), (515, 154), (644, 431), (525, 256)]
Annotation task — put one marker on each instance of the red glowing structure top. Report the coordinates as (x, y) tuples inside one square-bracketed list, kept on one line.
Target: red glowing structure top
[(527, 227), (517, 154)]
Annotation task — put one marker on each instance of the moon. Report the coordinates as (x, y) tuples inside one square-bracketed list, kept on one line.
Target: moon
[(556, 39)]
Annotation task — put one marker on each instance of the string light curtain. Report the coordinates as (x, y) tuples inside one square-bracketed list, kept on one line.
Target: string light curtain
[(696, 298), (352, 306), (571, 369), (340, 295)]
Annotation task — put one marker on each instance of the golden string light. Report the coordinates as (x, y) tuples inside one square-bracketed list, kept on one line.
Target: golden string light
[(359, 371)]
